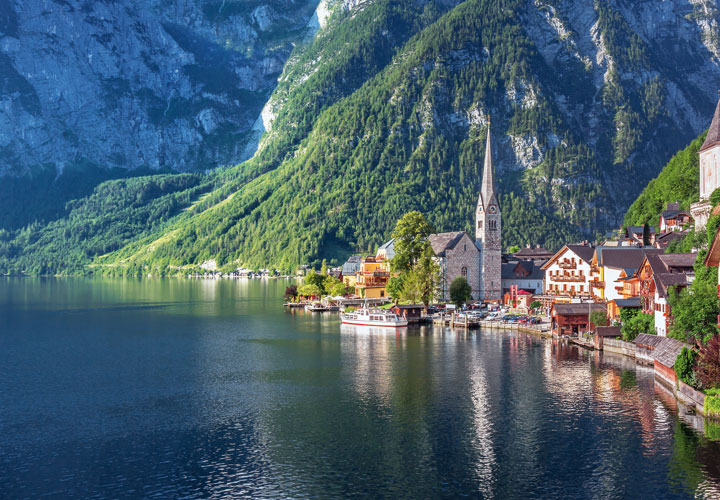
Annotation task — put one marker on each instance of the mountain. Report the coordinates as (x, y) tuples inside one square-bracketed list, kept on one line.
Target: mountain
[(386, 108), (101, 89), (678, 181)]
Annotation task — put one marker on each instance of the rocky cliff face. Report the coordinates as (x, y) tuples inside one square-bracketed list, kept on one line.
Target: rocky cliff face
[(163, 84)]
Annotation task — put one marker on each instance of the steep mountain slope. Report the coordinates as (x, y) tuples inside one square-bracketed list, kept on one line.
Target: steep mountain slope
[(386, 111), (678, 181), (587, 102), (88, 86)]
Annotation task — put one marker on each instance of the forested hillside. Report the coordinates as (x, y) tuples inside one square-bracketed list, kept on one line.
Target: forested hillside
[(386, 111), (678, 181)]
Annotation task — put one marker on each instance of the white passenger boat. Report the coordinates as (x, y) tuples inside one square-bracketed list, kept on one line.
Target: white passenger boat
[(373, 317)]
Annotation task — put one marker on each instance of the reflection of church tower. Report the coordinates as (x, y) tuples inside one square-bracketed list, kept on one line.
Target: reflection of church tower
[(709, 172), (487, 232)]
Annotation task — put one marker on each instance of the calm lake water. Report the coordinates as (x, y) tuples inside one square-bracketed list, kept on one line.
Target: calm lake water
[(197, 389)]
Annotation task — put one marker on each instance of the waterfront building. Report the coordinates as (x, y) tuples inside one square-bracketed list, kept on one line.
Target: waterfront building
[(713, 260), (488, 228), (656, 274), (372, 277), (350, 269), (478, 260), (567, 276), (458, 255), (571, 319), (616, 305), (709, 172), (610, 266)]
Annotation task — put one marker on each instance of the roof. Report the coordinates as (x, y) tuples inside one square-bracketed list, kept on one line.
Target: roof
[(671, 214), (679, 259), (665, 238), (608, 331), (389, 248), (667, 350), (628, 258), (713, 255), (632, 302), (713, 135), (663, 281), (533, 253), (351, 266), (534, 271), (585, 252), (640, 229), (409, 306), (648, 340), (578, 309), (446, 241)]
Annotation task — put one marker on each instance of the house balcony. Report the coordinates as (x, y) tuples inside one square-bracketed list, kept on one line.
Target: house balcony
[(578, 279), (566, 265), (597, 284)]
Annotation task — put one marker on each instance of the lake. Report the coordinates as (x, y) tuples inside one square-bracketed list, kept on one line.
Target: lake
[(176, 388)]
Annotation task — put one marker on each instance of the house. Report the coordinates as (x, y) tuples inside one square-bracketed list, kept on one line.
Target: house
[(656, 274), (386, 251), (709, 160), (458, 255), (674, 219), (610, 264), (537, 254), (616, 305), (350, 269), (526, 275), (662, 240), (571, 319), (567, 275), (372, 277), (713, 260), (635, 233)]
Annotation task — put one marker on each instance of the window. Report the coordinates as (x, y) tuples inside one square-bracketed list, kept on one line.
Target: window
[(480, 224), (465, 247), (464, 272)]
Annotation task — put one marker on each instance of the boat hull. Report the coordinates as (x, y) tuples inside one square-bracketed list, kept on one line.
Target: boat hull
[(359, 322)]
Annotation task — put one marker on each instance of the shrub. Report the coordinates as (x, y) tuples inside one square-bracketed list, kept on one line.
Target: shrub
[(599, 318), (712, 406), (684, 365), (708, 363), (639, 323)]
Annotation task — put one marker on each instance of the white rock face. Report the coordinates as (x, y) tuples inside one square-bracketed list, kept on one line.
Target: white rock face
[(137, 83)]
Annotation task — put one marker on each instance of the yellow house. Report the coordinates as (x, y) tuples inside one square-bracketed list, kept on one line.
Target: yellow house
[(372, 277)]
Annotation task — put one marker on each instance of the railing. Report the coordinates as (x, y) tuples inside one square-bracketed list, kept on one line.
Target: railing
[(580, 279), (567, 265)]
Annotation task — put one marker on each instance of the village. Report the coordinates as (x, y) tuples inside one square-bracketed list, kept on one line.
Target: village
[(613, 295)]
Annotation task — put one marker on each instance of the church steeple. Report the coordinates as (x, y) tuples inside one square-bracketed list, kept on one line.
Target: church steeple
[(488, 230), (487, 192)]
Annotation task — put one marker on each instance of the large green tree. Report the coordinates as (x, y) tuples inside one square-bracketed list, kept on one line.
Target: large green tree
[(421, 283), (410, 234)]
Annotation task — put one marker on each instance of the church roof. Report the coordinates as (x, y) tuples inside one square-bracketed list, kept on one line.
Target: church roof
[(713, 135), (446, 241), (487, 191)]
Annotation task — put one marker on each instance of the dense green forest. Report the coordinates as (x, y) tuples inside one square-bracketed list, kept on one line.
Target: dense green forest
[(678, 181), (386, 111)]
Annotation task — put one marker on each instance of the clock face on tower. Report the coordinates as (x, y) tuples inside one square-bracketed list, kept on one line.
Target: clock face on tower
[(492, 209)]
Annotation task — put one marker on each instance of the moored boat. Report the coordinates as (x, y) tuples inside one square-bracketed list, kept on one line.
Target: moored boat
[(373, 317)]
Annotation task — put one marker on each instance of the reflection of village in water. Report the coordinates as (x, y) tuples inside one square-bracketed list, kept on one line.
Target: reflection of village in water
[(575, 385)]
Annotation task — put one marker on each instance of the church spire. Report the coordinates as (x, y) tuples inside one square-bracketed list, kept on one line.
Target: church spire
[(713, 135), (488, 182)]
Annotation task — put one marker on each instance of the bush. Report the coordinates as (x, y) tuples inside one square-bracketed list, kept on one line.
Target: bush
[(599, 318), (712, 406), (708, 363), (684, 365), (640, 323)]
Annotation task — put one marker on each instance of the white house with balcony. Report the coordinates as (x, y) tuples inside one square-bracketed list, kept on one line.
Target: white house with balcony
[(568, 275)]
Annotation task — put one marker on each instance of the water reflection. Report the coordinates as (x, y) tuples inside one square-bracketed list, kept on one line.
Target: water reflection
[(182, 388)]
